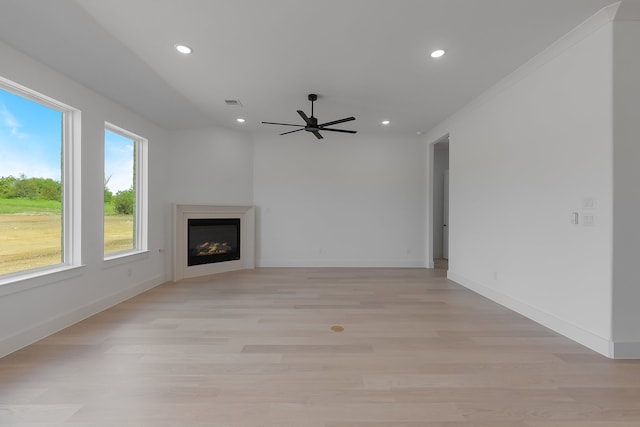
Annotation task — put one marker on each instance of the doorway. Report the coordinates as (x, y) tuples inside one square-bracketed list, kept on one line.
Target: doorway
[(440, 205)]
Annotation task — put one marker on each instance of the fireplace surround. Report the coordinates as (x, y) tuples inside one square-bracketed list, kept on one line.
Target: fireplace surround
[(212, 239)]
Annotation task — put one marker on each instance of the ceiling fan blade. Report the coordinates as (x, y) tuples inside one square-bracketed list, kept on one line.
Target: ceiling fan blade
[(317, 134), (282, 124), (292, 131), (305, 118), (335, 122), (339, 130)]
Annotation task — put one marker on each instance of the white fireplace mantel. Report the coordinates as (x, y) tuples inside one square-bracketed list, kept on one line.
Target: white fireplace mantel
[(182, 214)]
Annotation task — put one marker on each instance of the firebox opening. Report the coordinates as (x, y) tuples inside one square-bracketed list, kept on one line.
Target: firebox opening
[(213, 240)]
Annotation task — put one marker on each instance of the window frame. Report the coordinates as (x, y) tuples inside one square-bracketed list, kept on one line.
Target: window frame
[(71, 172), (141, 168)]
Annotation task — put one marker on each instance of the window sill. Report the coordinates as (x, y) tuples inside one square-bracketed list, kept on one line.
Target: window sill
[(120, 258)]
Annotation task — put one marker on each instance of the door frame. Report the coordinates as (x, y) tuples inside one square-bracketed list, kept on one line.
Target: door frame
[(430, 199), (445, 215)]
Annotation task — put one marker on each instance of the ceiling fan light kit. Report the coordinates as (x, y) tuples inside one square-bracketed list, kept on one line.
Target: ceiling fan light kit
[(311, 122)]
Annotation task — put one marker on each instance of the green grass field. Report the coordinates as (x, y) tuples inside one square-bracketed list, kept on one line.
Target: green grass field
[(26, 206), (31, 230)]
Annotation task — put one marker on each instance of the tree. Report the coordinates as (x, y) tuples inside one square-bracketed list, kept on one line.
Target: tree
[(108, 195), (25, 188), (47, 189), (7, 184), (123, 202), (30, 188)]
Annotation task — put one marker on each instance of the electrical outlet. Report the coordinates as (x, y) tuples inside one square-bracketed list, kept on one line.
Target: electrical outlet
[(588, 203), (574, 218), (588, 220)]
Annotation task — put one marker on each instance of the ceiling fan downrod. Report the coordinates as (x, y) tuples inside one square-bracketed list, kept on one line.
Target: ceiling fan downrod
[(312, 97)]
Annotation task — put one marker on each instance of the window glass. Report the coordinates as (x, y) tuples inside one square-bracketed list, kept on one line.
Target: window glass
[(124, 178), (31, 187)]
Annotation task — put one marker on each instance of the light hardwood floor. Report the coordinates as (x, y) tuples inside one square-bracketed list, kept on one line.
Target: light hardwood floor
[(256, 348)]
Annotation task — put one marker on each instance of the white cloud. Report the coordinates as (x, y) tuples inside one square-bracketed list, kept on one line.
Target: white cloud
[(120, 174), (9, 121), (16, 167), (16, 160), (119, 165)]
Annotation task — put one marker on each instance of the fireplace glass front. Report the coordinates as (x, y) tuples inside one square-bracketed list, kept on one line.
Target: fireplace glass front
[(213, 240)]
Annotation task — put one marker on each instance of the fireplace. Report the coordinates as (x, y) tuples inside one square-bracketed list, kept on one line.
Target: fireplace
[(213, 240)]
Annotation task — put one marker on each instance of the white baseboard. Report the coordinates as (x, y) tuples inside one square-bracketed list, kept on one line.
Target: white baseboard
[(588, 339), (50, 326), (340, 263)]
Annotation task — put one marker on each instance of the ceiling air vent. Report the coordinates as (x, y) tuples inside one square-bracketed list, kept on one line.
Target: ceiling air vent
[(233, 102)]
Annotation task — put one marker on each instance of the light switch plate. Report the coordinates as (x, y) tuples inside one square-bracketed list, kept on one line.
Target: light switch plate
[(588, 203)]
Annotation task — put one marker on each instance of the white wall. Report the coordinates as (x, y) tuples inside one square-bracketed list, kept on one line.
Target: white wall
[(32, 309), (626, 237), (522, 158), (350, 200), (211, 167)]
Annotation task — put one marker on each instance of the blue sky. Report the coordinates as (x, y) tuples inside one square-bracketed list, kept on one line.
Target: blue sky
[(30, 144), (118, 161), (30, 138)]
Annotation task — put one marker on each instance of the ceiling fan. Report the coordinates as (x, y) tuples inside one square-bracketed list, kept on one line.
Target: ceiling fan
[(312, 122)]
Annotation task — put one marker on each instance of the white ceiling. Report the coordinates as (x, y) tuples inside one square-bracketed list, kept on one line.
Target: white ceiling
[(366, 58)]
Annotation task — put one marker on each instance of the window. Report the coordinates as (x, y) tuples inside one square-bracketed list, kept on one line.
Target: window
[(36, 186), (125, 161)]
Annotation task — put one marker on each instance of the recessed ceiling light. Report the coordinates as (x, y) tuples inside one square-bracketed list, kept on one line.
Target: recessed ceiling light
[(183, 49), (240, 120), (385, 122), (437, 53)]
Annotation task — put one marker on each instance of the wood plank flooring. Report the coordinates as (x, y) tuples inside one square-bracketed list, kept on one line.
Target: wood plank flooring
[(256, 348)]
